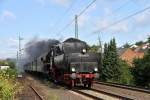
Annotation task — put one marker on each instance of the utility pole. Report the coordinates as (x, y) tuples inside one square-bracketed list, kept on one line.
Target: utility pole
[(76, 26), (19, 55), (17, 60), (100, 51), (20, 39), (100, 44)]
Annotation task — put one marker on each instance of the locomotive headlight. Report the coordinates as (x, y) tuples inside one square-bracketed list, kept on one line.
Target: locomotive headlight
[(95, 69), (84, 51), (73, 69)]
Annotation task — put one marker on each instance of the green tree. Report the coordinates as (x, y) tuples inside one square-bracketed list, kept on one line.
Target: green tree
[(139, 43), (126, 75), (7, 63), (110, 68), (114, 61), (11, 64), (3, 63), (93, 48), (105, 67), (141, 71), (127, 45), (114, 69)]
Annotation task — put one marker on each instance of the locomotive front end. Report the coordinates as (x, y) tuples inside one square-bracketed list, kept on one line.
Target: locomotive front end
[(83, 68)]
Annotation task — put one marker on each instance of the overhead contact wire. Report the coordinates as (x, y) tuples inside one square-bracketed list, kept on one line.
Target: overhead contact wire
[(123, 19)]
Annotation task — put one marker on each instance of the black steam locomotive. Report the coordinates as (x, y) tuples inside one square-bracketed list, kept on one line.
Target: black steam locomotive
[(68, 62)]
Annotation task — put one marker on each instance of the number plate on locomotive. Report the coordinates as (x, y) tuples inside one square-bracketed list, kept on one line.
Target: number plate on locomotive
[(85, 55)]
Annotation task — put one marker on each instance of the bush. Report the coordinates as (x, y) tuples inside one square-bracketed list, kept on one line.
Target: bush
[(126, 76), (8, 84), (7, 63), (141, 72)]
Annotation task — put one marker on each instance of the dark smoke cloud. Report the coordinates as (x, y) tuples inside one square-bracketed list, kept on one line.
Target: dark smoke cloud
[(35, 47)]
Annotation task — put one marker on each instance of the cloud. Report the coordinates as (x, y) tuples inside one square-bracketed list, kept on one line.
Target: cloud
[(7, 15), (86, 17), (142, 19), (82, 20), (13, 43), (62, 2), (91, 8), (8, 47), (9, 43), (57, 2), (107, 11), (7, 54), (139, 21), (142, 36), (120, 27), (41, 2)]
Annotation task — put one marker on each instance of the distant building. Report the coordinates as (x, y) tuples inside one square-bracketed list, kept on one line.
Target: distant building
[(4, 67), (145, 46), (134, 46), (129, 54), (134, 51)]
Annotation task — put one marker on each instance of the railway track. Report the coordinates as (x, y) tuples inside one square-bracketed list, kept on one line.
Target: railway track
[(29, 92), (131, 92), (99, 95), (113, 92), (86, 94), (95, 94), (36, 92), (145, 90)]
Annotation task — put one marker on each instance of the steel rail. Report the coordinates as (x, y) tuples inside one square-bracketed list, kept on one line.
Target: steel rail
[(102, 92), (111, 94), (35, 91), (129, 87), (87, 95)]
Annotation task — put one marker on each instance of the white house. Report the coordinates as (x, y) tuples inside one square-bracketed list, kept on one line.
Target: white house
[(4, 67)]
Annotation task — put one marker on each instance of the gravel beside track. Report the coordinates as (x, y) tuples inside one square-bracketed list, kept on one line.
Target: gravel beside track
[(27, 92), (125, 92), (96, 95), (48, 91), (37, 93), (51, 91), (134, 88), (116, 96)]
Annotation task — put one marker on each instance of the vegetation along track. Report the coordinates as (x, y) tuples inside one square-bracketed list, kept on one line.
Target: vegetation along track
[(132, 92)]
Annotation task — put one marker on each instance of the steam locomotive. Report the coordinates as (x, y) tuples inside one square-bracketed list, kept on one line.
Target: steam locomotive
[(67, 62)]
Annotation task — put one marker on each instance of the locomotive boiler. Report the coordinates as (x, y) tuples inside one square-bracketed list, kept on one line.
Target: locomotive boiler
[(68, 62)]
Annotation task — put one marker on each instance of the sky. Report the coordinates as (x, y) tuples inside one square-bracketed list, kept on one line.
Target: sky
[(46, 19)]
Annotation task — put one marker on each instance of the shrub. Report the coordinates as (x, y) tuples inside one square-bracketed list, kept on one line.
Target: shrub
[(8, 84), (126, 76)]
